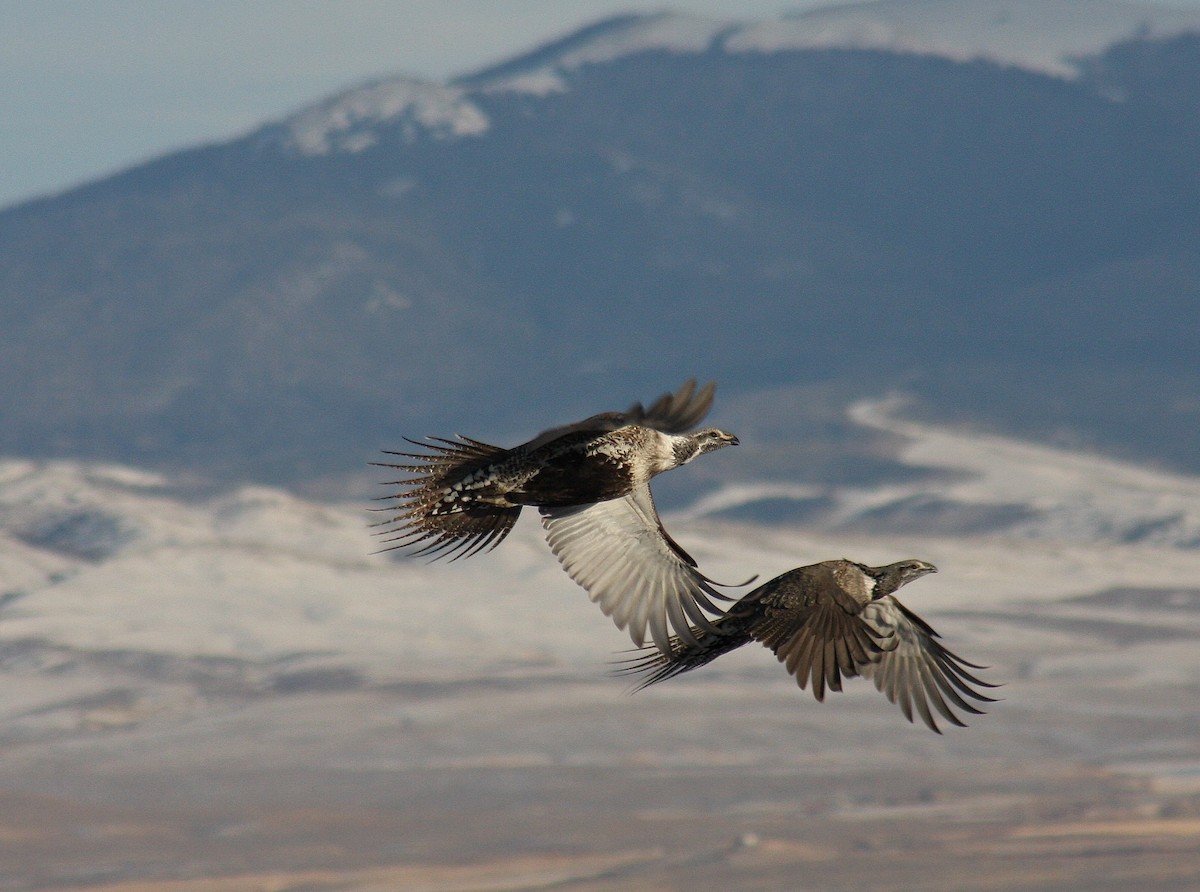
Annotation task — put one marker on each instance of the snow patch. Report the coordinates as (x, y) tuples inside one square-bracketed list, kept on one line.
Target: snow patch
[(995, 486), (1046, 36), (349, 123), (1076, 497), (667, 32), (542, 82)]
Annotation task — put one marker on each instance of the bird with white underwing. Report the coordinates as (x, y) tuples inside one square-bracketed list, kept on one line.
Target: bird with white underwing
[(591, 483)]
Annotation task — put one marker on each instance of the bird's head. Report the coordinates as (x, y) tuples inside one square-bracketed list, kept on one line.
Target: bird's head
[(901, 573), (688, 446), (712, 438)]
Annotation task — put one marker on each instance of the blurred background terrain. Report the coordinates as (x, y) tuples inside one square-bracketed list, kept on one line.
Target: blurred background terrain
[(942, 258)]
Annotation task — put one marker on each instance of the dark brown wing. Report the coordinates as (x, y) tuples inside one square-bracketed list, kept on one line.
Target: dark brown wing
[(795, 614), (915, 671), (671, 413), (803, 620), (675, 413)]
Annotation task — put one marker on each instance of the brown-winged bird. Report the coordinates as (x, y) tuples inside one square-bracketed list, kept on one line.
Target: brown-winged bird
[(835, 620), (591, 482)]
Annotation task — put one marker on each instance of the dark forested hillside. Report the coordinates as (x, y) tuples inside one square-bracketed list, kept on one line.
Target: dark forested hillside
[(1014, 249)]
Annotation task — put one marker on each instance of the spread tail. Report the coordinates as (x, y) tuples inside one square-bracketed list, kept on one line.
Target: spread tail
[(440, 509), (652, 665)]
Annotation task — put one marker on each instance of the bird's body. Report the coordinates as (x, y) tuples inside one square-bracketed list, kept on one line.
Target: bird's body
[(834, 620), (466, 495), (590, 481), (579, 467)]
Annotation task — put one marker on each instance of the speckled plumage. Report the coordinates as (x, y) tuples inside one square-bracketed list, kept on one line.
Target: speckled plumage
[(834, 620), (465, 495), (590, 480)]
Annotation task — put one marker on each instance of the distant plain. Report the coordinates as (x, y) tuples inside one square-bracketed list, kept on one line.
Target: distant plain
[(236, 693)]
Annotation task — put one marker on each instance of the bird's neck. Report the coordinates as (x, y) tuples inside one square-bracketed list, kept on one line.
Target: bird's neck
[(889, 581), (683, 450)]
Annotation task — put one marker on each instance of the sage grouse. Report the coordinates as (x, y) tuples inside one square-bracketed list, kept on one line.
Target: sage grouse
[(591, 482), (835, 620)]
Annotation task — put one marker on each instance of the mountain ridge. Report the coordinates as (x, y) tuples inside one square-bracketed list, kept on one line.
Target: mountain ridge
[(964, 231)]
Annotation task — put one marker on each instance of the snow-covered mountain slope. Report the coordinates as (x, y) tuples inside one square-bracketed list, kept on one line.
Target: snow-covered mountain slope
[(97, 558), (1070, 496), (146, 637), (253, 644), (1047, 36), (93, 563), (1040, 35), (986, 484), (352, 121)]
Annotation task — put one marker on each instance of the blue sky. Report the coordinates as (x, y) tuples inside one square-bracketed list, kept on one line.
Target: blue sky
[(88, 87)]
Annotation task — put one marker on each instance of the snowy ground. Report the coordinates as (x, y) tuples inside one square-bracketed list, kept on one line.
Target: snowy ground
[(236, 690)]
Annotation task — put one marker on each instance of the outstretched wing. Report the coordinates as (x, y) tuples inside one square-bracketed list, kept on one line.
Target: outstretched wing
[(915, 671), (823, 633), (811, 630), (675, 413), (629, 565)]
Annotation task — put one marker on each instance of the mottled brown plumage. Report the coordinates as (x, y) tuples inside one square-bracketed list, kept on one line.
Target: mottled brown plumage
[(465, 495), (835, 620), (590, 480)]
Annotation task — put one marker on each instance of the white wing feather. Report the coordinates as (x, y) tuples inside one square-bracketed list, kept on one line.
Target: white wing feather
[(620, 554)]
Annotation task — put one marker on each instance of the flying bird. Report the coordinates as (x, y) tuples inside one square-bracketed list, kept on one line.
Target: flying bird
[(835, 620), (591, 482)]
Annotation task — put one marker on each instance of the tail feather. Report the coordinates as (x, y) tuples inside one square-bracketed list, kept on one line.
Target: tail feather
[(432, 511), (652, 665)]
